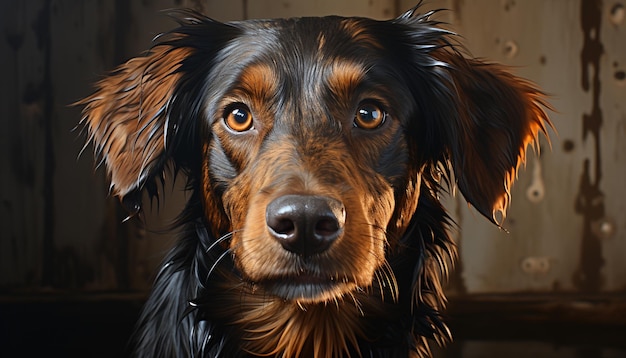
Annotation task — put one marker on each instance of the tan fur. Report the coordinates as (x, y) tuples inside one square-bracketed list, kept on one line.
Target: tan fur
[(285, 329), (272, 327), (126, 114)]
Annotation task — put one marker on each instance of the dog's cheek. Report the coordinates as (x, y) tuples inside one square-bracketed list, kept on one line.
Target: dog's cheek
[(256, 253), (211, 199), (368, 222), (400, 180), (392, 161), (222, 170), (363, 247), (406, 206), (226, 190), (250, 241), (381, 208), (235, 201)]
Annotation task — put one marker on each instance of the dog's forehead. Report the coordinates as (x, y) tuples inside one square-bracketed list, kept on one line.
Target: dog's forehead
[(323, 36), (306, 61), (316, 49)]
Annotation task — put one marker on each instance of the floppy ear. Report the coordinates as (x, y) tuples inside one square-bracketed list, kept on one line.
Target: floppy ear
[(496, 116), (126, 118), (476, 117), (146, 111)]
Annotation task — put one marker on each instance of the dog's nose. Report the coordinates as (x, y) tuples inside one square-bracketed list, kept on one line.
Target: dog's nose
[(305, 224)]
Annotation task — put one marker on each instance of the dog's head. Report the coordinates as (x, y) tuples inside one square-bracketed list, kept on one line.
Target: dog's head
[(311, 140)]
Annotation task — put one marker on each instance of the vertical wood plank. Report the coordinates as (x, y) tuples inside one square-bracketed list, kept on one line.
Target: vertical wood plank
[(380, 9), (22, 141)]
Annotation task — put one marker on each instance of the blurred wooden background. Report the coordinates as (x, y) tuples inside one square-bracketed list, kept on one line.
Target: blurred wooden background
[(62, 237)]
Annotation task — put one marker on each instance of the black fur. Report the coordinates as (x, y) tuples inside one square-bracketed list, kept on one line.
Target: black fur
[(456, 115)]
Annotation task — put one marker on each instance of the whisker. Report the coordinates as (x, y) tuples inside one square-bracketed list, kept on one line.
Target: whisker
[(380, 284), (222, 239), (217, 261), (391, 280), (357, 303)]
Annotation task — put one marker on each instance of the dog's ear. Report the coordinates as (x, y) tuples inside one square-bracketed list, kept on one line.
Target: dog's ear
[(495, 117), (127, 117), (474, 116), (146, 110)]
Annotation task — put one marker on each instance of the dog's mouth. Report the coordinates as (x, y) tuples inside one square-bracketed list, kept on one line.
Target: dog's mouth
[(307, 287)]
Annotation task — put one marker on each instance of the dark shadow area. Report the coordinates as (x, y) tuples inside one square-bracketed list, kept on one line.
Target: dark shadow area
[(92, 327), (100, 326)]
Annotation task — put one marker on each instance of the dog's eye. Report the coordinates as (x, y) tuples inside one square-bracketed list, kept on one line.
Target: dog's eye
[(369, 116), (238, 118)]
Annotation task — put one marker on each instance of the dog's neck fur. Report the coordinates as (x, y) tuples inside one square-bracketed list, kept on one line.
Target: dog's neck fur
[(270, 326)]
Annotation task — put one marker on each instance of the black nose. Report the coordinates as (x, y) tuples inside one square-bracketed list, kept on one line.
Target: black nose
[(305, 224)]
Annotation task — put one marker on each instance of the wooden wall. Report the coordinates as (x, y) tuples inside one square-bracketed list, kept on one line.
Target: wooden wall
[(59, 232)]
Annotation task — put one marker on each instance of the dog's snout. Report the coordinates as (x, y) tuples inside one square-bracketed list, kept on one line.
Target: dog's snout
[(305, 224)]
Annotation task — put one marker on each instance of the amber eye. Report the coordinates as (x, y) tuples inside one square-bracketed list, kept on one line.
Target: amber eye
[(369, 116), (238, 118)]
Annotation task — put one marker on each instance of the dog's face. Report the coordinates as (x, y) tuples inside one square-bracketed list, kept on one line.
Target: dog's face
[(311, 142), (308, 154)]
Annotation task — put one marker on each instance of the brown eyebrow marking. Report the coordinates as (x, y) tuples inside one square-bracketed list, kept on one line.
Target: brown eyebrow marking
[(345, 78), (258, 81)]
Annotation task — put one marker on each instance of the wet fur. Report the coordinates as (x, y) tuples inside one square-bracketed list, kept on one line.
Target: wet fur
[(450, 118)]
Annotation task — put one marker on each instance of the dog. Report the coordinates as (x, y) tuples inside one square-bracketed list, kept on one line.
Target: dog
[(316, 151)]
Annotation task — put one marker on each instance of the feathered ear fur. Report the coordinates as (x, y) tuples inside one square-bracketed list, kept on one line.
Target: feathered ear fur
[(145, 113), (126, 118), (475, 116), (497, 116)]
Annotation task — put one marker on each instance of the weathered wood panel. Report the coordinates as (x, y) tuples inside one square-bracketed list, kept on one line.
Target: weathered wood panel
[(22, 142), (567, 219), (381, 9), (59, 229)]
